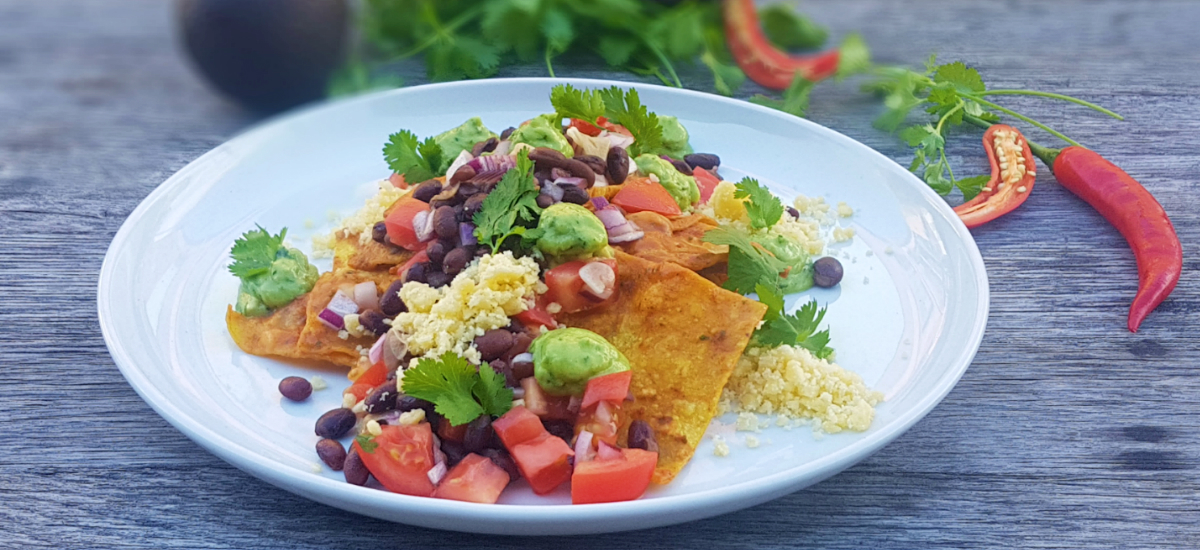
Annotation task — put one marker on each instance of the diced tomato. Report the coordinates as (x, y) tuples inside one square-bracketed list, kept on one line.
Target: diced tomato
[(373, 376), (643, 195), (474, 479), (585, 127), (359, 391), (615, 480), (517, 426), (399, 222), (568, 289), (613, 388), (397, 181), (544, 461), (615, 128), (706, 181), (401, 459), (550, 407), (537, 316)]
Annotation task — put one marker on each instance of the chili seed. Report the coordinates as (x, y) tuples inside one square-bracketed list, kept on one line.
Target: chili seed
[(493, 343), (295, 388), (436, 251), (379, 233), (455, 261), (827, 272), (332, 453), (382, 399), (641, 436), (390, 303), (706, 161), (416, 273), (502, 459), (353, 468), (479, 434), (618, 165), (427, 190), (574, 195), (560, 428), (445, 223), (437, 279), (335, 423), (373, 321)]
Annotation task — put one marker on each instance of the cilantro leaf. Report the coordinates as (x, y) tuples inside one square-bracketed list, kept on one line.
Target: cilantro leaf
[(750, 265), (797, 329), (963, 78), (790, 30), (447, 383), (511, 207), (764, 208), (971, 186), (254, 252), (853, 56), (795, 97), (571, 102), (627, 110), (616, 50), (367, 442), (727, 76), (417, 160), (491, 392)]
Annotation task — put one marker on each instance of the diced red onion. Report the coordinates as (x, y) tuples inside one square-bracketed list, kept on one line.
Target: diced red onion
[(555, 192), (600, 203), (503, 148), (619, 140), (331, 319), (627, 238), (376, 352), (603, 412), (394, 349), (574, 403), (462, 159), (437, 472), (620, 230), (439, 457), (423, 225), (491, 168), (518, 393), (342, 303), (599, 279), (583, 447), (366, 295), (466, 234), (611, 217), (607, 452), (577, 182), (601, 181)]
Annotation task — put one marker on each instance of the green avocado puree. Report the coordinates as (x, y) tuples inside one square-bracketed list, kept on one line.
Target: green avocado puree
[(565, 359), (569, 231), (459, 139), (675, 137), (682, 188), (544, 131), (289, 276), (800, 278)]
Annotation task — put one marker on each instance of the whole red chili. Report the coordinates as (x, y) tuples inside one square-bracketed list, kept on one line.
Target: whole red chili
[(763, 62), (1013, 174), (1131, 209)]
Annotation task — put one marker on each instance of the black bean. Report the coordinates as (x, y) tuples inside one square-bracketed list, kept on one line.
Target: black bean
[(521, 342), (454, 452), (706, 161), (574, 194), (522, 369), (479, 434), (405, 403), (373, 321), (473, 205), (390, 303), (437, 279), (493, 343), (486, 146), (455, 261), (445, 223), (468, 190), (507, 132), (427, 190), (544, 200), (597, 164), (641, 436), (332, 453), (618, 165), (436, 251), (680, 166), (827, 272), (416, 272), (355, 471), (502, 459), (561, 428), (379, 233), (295, 388), (335, 423), (501, 367), (795, 214), (382, 399), (464, 173)]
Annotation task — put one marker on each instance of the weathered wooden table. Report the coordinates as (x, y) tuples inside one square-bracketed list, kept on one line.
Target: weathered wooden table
[(1066, 432)]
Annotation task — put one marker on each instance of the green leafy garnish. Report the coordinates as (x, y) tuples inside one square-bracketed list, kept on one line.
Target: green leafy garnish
[(790, 30), (795, 97), (457, 391), (254, 252), (417, 160), (797, 329), (622, 107), (511, 207), (367, 442), (763, 208), (571, 102), (750, 265)]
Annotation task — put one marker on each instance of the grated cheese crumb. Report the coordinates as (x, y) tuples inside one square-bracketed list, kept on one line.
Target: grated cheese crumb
[(360, 222), (348, 401), (844, 210), (411, 418), (720, 447), (843, 234), (752, 441), (318, 383), (374, 428), (748, 422)]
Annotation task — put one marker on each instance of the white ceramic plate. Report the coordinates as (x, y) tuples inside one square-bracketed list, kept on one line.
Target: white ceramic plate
[(908, 316)]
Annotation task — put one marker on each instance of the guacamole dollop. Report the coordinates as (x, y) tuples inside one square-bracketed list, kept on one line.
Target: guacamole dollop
[(544, 131), (682, 188), (459, 139), (289, 276), (800, 278), (675, 137), (569, 231), (565, 359)]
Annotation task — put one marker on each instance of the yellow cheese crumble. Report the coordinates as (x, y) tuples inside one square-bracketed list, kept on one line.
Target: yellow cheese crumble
[(361, 222), (479, 299), (790, 382)]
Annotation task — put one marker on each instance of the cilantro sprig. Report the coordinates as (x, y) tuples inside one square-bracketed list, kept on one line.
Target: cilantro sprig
[(511, 208), (763, 207), (796, 329), (622, 107), (458, 392), (417, 160), (254, 252), (750, 265)]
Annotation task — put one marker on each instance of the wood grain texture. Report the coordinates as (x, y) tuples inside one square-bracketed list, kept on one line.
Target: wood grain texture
[(1066, 432)]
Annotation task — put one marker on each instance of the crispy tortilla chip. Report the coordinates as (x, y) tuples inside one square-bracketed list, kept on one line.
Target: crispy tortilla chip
[(677, 241), (318, 341), (350, 253), (272, 335), (683, 335), (606, 191)]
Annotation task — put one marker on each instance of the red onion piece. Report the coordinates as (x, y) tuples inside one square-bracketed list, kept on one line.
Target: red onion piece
[(331, 319), (423, 225), (611, 217), (603, 412), (463, 158), (577, 182), (619, 140), (342, 304), (394, 350), (599, 279), (583, 447), (376, 352), (466, 234), (600, 203), (555, 192), (366, 295), (620, 230), (574, 403), (626, 238), (438, 471), (503, 148), (607, 452), (491, 168)]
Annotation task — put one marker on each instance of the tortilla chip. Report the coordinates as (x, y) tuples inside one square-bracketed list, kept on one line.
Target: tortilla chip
[(682, 335), (272, 335), (350, 253), (606, 191), (318, 341), (679, 241)]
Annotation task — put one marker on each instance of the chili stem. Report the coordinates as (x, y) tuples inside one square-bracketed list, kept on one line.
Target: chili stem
[(1015, 114), (1053, 95)]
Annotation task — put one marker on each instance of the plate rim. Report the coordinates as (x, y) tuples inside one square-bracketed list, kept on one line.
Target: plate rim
[(733, 497)]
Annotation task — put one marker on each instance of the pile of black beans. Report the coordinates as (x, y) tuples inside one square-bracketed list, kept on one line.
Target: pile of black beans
[(452, 205)]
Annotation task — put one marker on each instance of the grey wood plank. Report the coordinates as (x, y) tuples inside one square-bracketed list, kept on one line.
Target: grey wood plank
[(1067, 431)]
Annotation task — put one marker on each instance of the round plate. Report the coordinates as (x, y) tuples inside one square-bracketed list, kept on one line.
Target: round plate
[(908, 316)]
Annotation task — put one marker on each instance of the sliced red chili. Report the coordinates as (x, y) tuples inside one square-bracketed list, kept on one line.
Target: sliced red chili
[(1012, 177), (763, 62)]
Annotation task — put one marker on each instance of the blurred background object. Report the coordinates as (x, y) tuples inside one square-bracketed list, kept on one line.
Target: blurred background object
[(268, 55)]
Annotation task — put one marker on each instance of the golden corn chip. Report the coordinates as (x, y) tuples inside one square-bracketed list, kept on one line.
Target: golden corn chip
[(350, 253), (271, 335), (678, 241), (319, 341)]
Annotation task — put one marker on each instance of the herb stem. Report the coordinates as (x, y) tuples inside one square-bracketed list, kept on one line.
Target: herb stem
[(440, 32), (662, 58), (1020, 116), (1053, 95), (549, 65)]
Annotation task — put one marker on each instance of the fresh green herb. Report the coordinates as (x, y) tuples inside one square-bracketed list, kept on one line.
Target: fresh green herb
[(511, 207), (795, 97), (417, 160), (750, 265), (790, 30), (763, 208), (571, 102), (254, 252), (797, 329), (627, 110), (457, 391), (367, 442)]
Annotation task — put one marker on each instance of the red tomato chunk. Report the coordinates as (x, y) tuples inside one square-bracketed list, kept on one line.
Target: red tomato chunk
[(614, 480), (475, 479), (402, 458)]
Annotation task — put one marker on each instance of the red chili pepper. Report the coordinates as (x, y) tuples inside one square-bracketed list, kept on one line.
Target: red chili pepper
[(1012, 177), (1131, 209), (763, 62)]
